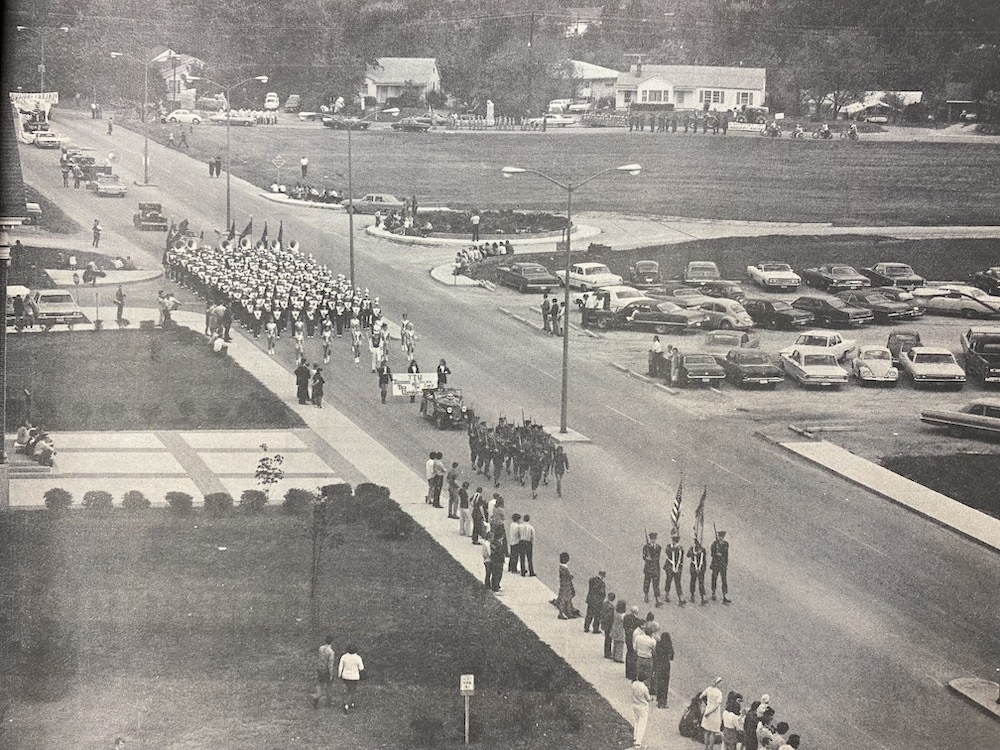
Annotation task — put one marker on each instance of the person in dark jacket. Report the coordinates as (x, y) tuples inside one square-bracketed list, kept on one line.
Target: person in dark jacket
[(596, 593), (384, 379), (631, 621), (662, 656), (302, 378), (607, 620)]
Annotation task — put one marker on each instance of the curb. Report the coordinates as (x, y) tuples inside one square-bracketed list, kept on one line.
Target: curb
[(978, 692), (581, 232), (644, 378)]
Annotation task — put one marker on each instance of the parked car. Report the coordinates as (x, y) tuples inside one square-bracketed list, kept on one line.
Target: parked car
[(749, 367), (310, 116), (958, 299), (726, 289), (981, 415), (293, 103), (988, 280), (372, 202), (444, 407), (34, 213), (339, 122), (932, 365), (110, 186), (773, 314), (773, 275), (699, 367), (271, 101), (699, 272), (233, 119), (828, 341), (685, 296), (55, 306), (150, 217), (644, 274), (184, 116), (893, 274), (810, 366), (834, 312), (588, 276), (527, 277), (981, 347), (901, 342), (896, 294), (832, 277), (412, 125), (731, 340), (551, 120), (611, 297), (884, 309), (726, 314), (645, 315), (46, 139), (874, 365)]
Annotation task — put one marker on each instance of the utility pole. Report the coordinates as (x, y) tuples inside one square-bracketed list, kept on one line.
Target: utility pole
[(531, 70)]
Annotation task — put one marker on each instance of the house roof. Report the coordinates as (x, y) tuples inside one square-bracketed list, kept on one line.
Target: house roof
[(398, 70), (584, 14), (590, 72), (878, 99), (696, 76), (12, 201)]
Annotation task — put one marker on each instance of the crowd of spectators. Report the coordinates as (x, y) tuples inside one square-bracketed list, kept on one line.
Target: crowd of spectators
[(475, 253), (312, 193)]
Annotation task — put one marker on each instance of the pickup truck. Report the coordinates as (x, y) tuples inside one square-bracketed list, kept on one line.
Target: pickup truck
[(981, 347)]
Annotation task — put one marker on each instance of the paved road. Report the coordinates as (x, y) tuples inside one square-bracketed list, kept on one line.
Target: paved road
[(850, 612)]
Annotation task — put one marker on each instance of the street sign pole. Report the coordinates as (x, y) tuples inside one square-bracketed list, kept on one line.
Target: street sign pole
[(278, 162), (467, 687)]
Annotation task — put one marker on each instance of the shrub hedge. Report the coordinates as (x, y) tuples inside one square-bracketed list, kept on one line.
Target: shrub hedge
[(134, 501), (98, 500), (219, 504), (180, 503), (58, 499)]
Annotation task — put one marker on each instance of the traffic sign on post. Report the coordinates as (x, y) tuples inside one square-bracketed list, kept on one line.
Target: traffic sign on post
[(467, 684), (278, 161)]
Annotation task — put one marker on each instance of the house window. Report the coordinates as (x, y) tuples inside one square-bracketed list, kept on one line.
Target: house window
[(712, 97), (653, 96), (627, 97), (744, 98)]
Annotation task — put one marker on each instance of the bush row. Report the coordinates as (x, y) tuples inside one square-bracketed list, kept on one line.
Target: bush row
[(334, 503)]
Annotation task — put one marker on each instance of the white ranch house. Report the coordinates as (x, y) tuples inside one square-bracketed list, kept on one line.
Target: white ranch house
[(691, 87), (391, 76)]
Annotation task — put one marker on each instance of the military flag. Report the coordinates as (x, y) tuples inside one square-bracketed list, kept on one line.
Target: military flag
[(281, 231), (248, 229), (699, 517), (232, 231), (675, 512), (263, 235)]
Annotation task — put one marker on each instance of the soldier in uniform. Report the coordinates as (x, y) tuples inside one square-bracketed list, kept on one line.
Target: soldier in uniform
[(651, 567), (698, 562), (673, 567), (720, 564), (536, 463), (560, 465)]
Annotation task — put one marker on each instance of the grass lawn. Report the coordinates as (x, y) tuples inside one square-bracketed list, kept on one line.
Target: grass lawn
[(54, 219), (136, 380), (962, 476), (735, 176), (937, 260), (141, 626), (21, 271)]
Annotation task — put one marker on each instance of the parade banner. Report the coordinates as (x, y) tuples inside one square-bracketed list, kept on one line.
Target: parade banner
[(29, 98), (413, 383)]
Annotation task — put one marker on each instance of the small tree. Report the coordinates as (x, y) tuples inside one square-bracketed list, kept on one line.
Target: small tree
[(134, 501), (253, 501), (58, 499), (180, 503), (218, 504), (98, 500), (298, 501), (269, 470)]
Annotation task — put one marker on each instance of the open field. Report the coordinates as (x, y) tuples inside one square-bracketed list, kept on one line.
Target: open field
[(173, 632), (876, 183), (136, 380)]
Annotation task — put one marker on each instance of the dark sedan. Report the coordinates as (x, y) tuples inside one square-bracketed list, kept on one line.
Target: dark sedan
[(646, 315), (884, 309), (749, 368), (412, 125), (689, 369), (768, 313), (833, 277), (527, 277), (988, 280), (345, 123), (724, 289), (645, 274), (893, 274), (834, 312)]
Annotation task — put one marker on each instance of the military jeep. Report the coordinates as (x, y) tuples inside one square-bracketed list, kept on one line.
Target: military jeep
[(444, 407)]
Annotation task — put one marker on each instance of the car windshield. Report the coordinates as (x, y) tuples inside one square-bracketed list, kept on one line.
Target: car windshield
[(685, 292), (933, 358), (838, 303), (647, 266), (596, 269), (813, 341), (56, 297), (737, 309), (777, 305), (699, 359), (753, 359), (668, 307), (876, 354), (725, 339), (877, 299), (775, 267), (629, 294), (899, 270), (819, 360), (842, 271)]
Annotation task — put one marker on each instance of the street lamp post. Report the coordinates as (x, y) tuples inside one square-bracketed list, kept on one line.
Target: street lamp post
[(145, 113), (392, 111), (229, 112), (570, 188), (42, 33)]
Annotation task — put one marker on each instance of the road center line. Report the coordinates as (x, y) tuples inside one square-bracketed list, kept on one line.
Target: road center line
[(585, 530), (624, 415), (728, 471), (546, 374)]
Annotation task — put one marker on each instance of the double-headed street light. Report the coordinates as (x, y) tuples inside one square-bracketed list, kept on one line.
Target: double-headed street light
[(392, 111), (145, 111), (229, 111), (570, 188), (43, 32)]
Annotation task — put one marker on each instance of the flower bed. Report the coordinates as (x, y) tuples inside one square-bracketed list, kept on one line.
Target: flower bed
[(457, 223)]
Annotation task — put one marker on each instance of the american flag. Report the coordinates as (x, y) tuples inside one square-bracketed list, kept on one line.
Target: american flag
[(675, 513), (699, 517)]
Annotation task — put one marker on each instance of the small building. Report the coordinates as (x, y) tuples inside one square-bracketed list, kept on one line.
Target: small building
[(881, 103), (174, 68), (691, 87), (581, 20), (595, 81), (391, 77)]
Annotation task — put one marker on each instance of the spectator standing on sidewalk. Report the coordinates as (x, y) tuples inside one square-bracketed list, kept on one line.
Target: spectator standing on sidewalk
[(487, 562), (120, 304), (317, 386), (640, 711), (464, 511), (527, 546), (731, 721), (302, 378), (645, 644), (546, 309), (711, 717), (514, 537), (452, 479), (631, 621), (596, 593), (304, 166), (439, 474), (608, 621), (498, 554), (618, 633), (478, 515), (350, 669), (662, 656), (564, 600), (324, 673), (474, 220), (96, 229)]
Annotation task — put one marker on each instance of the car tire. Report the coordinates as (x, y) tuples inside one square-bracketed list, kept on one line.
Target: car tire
[(172, 119), (661, 329), (969, 314), (725, 325), (195, 121), (602, 324)]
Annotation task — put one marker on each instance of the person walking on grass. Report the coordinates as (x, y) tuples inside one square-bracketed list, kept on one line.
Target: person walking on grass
[(324, 673), (349, 671)]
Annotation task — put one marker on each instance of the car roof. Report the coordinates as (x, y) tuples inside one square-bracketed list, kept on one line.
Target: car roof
[(590, 265), (930, 350), (873, 347), (620, 288), (985, 401)]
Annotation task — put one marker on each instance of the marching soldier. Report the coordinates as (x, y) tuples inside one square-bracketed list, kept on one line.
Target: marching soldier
[(698, 560), (651, 567), (560, 465), (720, 564), (673, 568)]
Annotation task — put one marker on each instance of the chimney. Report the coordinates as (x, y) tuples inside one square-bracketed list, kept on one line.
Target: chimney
[(638, 67)]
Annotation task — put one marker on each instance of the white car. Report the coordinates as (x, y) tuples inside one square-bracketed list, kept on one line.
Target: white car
[(588, 276), (271, 101), (812, 366), (726, 314), (828, 341), (47, 139), (551, 121), (617, 297), (874, 365), (773, 275), (185, 116), (957, 299), (932, 365), (110, 186)]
